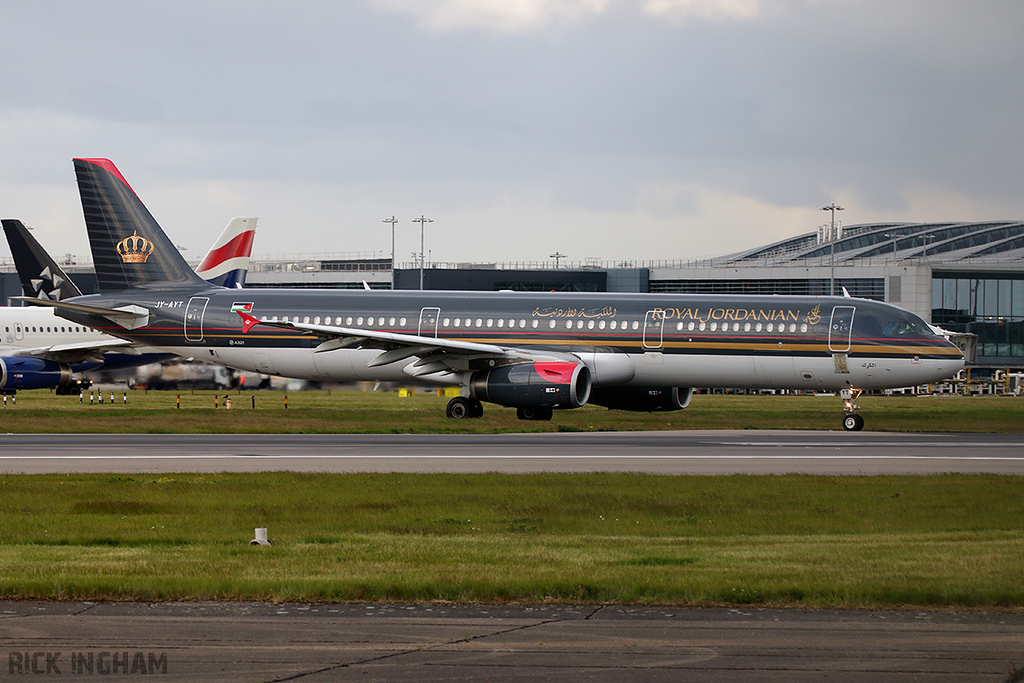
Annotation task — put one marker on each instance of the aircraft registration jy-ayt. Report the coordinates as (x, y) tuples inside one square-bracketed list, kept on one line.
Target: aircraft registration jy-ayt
[(537, 352)]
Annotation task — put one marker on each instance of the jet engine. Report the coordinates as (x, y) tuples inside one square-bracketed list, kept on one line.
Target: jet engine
[(25, 372), (642, 399), (542, 384)]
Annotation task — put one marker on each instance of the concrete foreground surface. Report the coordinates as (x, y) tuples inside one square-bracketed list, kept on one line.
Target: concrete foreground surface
[(378, 642)]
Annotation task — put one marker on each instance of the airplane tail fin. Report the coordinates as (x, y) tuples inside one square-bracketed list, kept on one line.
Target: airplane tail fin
[(129, 249), (227, 263), (41, 277)]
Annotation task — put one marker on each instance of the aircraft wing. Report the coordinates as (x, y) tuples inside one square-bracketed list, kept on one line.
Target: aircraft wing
[(434, 354), (79, 352)]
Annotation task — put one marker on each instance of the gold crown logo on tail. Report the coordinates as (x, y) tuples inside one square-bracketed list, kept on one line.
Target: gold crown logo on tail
[(134, 249)]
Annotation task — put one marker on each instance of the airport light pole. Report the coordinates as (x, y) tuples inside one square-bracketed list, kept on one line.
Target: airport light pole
[(392, 221), (894, 237), (557, 256), (832, 240), (422, 220)]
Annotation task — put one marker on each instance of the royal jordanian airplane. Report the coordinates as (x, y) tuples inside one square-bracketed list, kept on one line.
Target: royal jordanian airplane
[(39, 350), (534, 352)]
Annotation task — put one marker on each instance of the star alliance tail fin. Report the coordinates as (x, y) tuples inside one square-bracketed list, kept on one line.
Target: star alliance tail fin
[(41, 277)]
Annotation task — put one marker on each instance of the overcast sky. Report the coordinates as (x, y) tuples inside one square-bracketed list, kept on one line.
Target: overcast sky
[(611, 129)]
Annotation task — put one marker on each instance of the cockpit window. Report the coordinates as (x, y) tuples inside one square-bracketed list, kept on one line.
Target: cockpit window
[(905, 328)]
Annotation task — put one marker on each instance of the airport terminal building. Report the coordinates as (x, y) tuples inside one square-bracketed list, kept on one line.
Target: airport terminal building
[(963, 277)]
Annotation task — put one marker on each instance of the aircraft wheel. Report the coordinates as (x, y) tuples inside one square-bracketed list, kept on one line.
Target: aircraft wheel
[(853, 422), (476, 408), (534, 413), (459, 408)]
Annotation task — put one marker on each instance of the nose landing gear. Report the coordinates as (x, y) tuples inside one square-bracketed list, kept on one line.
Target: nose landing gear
[(852, 422)]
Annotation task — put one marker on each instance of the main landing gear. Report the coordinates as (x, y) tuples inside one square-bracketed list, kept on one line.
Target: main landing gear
[(852, 422), (543, 414), (462, 407)]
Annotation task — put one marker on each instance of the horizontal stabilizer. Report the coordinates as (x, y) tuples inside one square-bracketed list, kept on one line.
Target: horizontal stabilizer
[(129, 317)]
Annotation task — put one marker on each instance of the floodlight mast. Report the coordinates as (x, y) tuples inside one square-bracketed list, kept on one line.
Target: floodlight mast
[(832, 241), (422, 220), (392, 221)]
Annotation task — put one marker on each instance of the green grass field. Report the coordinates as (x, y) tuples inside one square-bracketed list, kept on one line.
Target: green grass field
[(607, 538), (373, 412), (936, 541)]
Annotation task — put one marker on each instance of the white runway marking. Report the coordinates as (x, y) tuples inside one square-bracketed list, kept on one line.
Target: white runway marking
[(413, 456)]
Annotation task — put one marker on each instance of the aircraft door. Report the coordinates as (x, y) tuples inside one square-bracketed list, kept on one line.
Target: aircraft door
[(194, 318), (840, 329), (654, 329), (19, 331), (428, 321)]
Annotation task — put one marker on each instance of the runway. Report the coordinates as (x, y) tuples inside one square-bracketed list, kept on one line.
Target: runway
[(677, 452), (373, 642), (425, 643)]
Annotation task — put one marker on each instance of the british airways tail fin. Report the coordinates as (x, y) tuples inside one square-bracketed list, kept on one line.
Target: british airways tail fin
[(227, 263), (129, 249), (41, 277)]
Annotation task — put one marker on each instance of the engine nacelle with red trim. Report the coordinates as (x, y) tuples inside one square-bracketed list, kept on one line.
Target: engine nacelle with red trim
[(546, 384), (26, 372), (642, 399)]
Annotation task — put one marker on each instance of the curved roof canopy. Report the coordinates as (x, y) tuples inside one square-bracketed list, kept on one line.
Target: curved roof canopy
[(960, 242)]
